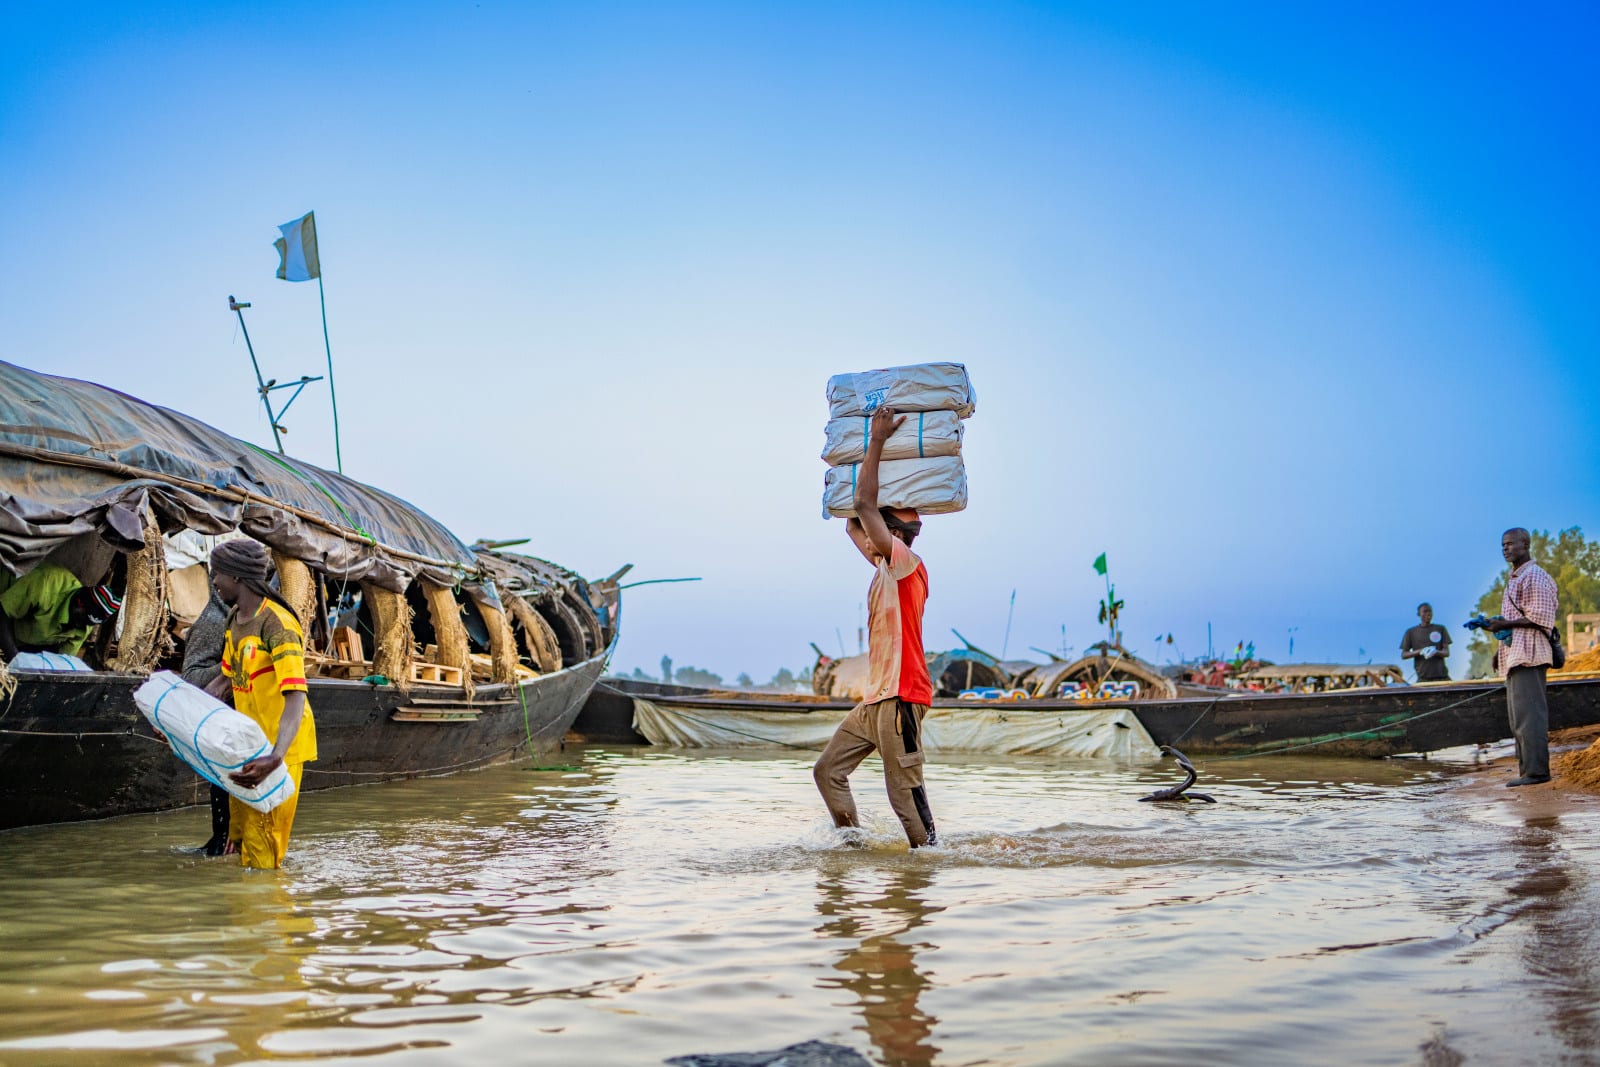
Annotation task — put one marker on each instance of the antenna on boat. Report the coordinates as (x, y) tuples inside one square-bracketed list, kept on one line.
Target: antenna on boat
[(265, 387), (1006, 641), (972, 647)]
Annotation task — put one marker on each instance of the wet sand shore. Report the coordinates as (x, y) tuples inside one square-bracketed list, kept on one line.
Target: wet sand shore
[(1563, 791)]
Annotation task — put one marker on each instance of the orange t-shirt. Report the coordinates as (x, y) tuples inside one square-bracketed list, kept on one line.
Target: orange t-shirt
[(894, 629)]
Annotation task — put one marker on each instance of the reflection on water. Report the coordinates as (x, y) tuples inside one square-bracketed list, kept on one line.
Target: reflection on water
[(643, 904), (1549, 891), (877, 923)]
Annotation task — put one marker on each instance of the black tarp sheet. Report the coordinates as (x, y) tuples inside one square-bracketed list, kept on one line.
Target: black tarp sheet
[(78, 458)]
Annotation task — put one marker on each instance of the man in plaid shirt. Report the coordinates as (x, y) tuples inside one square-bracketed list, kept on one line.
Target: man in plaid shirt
[(1527, 615)]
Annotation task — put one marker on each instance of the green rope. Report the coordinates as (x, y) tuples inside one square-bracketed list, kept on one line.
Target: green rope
[(292, 469), (1352, 734), (526, 729)]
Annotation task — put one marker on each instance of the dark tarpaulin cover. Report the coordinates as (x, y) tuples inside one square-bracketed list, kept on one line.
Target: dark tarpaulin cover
[(45, 500)]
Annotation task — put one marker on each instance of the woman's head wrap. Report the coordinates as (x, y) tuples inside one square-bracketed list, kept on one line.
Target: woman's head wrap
[(242, 558), (250, 563)]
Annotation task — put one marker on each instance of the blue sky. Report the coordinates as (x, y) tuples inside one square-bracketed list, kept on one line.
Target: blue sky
[(1236, 286)]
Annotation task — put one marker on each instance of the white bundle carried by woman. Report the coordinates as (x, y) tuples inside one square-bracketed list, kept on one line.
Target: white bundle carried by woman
[(921, 461), (211, 737)]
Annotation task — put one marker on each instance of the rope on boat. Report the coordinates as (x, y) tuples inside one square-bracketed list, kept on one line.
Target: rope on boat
[(1353, 733), (81, 734), (312, 769), (1202, 715), (526, 729)]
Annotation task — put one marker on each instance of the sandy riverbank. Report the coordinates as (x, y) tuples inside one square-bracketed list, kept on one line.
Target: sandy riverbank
[(1574, 768)]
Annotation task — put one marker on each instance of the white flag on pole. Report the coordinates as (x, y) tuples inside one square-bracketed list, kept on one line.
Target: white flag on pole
[(297, 249)]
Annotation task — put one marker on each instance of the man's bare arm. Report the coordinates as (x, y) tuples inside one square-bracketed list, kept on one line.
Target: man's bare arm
[(862, 542), (884, 423)]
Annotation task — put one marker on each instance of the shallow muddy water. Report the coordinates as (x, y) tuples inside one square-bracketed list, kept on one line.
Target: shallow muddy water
[(638, 904)]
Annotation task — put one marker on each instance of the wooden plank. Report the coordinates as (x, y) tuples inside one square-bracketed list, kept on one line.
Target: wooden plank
[(409, 714), (347, 644)]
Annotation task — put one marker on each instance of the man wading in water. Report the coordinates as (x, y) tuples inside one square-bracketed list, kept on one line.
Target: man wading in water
[(889, 718), (263, 663)]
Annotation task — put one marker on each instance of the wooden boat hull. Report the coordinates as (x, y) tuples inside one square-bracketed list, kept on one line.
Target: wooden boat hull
[(74, 746), (1368, 723)]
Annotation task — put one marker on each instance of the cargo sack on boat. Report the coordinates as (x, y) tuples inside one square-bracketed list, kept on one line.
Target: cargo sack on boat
[(48, 661), (211, 737), (921, 387), (924, 434), (935, 486)]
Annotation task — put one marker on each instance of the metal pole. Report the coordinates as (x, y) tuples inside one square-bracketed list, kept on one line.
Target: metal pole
[(1005, 643), (261, 385), (338, 456)]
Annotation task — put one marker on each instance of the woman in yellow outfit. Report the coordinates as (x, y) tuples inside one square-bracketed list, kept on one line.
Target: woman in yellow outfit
[(263, 664)]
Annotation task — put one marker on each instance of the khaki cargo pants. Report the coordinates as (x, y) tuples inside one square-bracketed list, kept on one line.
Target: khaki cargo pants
[(894, 729)]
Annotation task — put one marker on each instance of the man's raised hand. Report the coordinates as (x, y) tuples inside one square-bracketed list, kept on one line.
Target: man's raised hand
[(884, 423)]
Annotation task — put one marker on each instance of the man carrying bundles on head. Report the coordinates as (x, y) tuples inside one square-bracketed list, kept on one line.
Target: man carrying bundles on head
[(49, 610), (889, 718), (263, 665)]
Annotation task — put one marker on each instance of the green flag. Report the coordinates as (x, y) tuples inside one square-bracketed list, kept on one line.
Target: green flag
[(1100, 563)]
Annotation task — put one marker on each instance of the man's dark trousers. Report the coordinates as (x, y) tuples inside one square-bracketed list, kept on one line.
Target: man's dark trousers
[(1530, 720)]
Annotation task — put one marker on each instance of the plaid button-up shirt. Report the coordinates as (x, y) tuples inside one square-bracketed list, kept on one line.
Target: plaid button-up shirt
[(1530, 594)]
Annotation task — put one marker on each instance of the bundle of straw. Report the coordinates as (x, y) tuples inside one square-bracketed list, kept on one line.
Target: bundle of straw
[(543, 646), (145, 638), (502, 644), (449, 631), (393, 651), (299, 588)]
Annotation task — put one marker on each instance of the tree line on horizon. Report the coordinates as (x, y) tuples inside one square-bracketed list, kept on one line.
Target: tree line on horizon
[(784, 681), (1572, 561)]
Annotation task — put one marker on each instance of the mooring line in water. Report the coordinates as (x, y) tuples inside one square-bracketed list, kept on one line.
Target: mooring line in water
[(1202, 715), (1353, 733), (408, 774)]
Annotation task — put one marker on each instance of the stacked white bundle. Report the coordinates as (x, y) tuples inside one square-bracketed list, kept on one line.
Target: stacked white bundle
[(922, 466), (211, 737)]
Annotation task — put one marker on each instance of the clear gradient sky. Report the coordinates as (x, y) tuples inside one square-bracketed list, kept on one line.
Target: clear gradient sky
[(1237, 286)]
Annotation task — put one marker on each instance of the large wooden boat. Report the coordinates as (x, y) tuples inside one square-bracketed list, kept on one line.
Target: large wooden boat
[(1372, 722), (452, 656)]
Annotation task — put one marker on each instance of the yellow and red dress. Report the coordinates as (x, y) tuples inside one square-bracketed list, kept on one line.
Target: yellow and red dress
[(264, 657)]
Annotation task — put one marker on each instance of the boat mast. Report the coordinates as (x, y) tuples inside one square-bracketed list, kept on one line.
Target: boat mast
[(265, 387)]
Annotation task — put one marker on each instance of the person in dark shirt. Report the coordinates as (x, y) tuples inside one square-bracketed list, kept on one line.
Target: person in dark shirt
[(1429, 646), (202, 665)]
